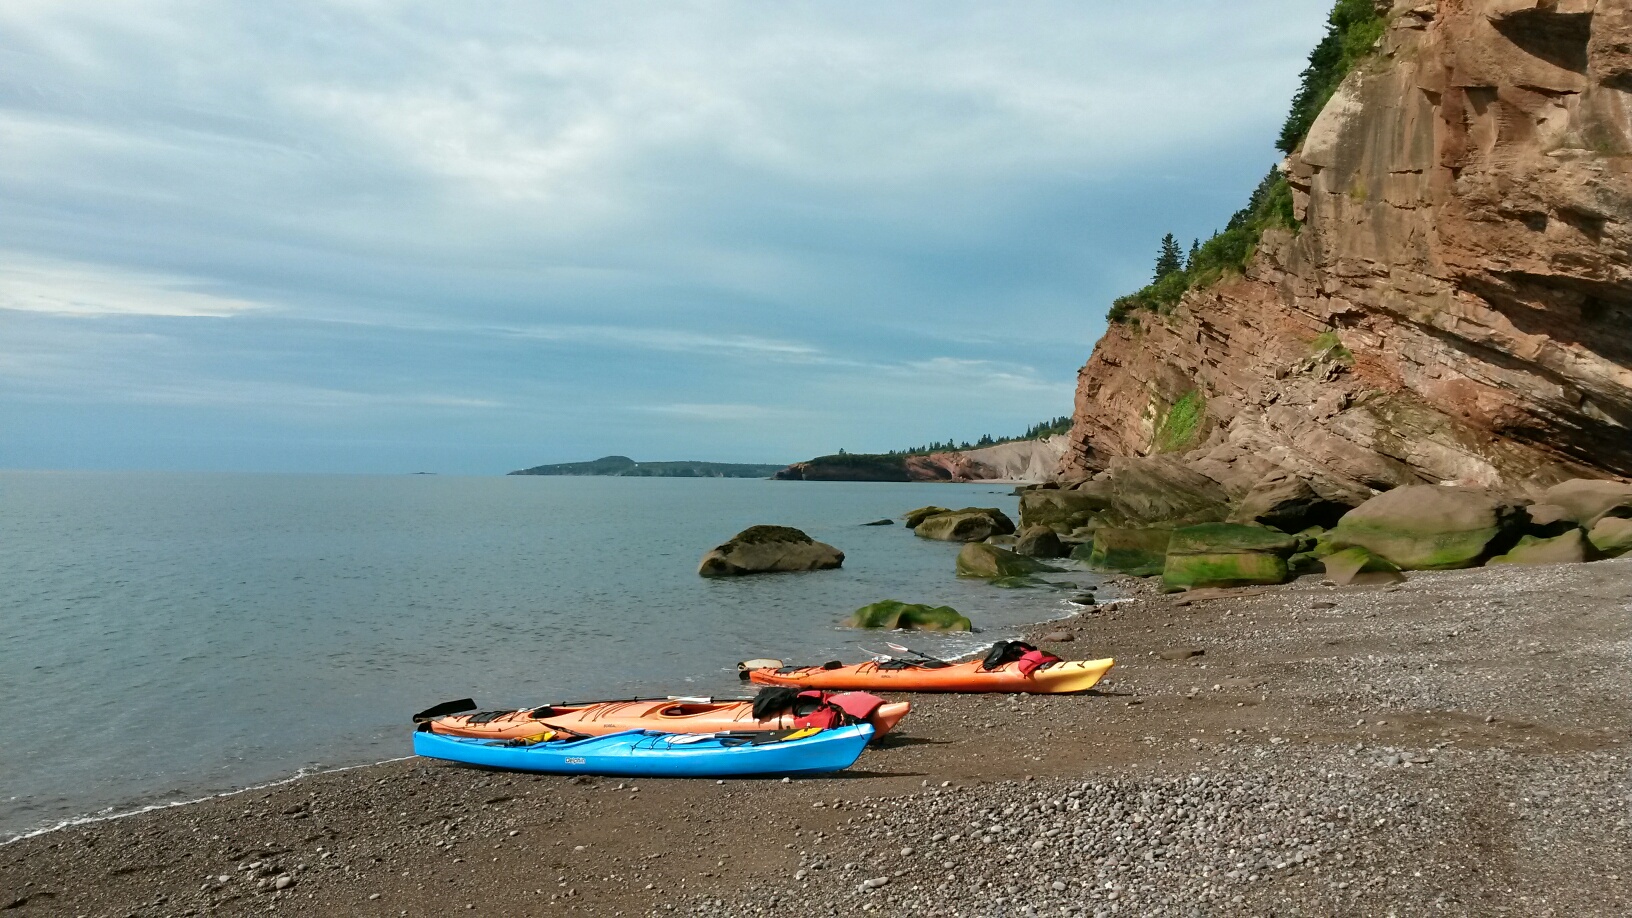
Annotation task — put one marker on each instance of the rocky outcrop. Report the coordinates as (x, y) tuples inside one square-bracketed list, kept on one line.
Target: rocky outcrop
[(1039, 542), (971, 524), (891, 614), (1457, 306), (1016, 460), (988, 562), (769, 549)]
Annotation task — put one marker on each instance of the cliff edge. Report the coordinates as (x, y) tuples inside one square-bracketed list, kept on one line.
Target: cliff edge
[(1456, 306)]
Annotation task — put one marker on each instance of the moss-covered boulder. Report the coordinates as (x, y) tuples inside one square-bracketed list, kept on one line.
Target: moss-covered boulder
[(1357, 566), (1612, 537), (769, 549), (891, 614), (1140, 552), (971, 524), (1002, 541), (914, 517), (1039, 542), (1213, 538), (1061, 511), (1586, 501), (1226, 555), (1218, 570), (1304, 562), (989, 562), (1159, 491), (1431, 527), (1571, 547)]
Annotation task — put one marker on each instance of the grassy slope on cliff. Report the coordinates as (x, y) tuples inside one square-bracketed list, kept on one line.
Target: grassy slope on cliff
[(1351, 30)]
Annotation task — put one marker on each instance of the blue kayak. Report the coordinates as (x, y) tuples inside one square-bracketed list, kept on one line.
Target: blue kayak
[(647, 753)]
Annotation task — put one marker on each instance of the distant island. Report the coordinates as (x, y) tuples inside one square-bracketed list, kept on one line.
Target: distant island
[(624, 467)]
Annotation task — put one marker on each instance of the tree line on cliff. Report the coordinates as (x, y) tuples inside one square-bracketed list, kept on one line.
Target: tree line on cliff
[(1352, 30)]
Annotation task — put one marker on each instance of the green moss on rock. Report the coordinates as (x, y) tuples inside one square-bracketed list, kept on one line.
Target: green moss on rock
[(1140, 552), (1222, 569), (988, 562), (892, 614)]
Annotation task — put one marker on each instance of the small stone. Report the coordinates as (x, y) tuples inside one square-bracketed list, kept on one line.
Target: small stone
[(1181, 653), (283, 882), (373, 896), (1058, 637), (876, 882)]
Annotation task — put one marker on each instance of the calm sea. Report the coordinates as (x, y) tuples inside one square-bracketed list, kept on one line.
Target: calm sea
[(165, 636)]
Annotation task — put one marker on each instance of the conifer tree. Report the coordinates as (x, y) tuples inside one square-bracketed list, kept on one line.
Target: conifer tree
[(1170, 259), (1190, 260)]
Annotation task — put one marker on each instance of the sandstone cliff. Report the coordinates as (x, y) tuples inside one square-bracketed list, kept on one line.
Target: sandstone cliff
[(1016, 460), (1457, 305)]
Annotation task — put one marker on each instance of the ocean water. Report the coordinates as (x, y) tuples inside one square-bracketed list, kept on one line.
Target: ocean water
[(166, 636)]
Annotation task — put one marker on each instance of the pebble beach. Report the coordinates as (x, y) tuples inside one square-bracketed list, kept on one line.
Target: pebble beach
[(1453, 745)]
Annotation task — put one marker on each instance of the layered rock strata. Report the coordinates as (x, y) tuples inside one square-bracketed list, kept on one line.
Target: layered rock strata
[(1457, 305)]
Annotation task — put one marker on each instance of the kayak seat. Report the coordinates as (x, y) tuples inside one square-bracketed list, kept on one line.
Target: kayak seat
[(687, 710)]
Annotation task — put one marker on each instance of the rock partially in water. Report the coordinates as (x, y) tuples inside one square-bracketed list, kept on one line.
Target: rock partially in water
[(880, 523), (914, 517), (988, 562), (1039, 542), (892, 614), (971, 524), (769, 549)]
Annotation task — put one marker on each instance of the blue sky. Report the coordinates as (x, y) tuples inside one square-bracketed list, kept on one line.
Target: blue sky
[(380, 236)]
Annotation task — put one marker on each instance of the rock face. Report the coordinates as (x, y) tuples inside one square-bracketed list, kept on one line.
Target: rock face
[(1457, 307), (769, 549), (891, 614), (1426, 527), (1019, 460), (971, 524)]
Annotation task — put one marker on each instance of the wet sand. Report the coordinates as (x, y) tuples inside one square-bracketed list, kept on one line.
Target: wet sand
[(1453, 745)]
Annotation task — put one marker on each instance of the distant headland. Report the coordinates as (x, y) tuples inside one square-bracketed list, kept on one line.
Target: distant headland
[(624, 467)]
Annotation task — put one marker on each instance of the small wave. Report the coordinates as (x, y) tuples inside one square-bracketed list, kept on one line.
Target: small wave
[(112, 813)]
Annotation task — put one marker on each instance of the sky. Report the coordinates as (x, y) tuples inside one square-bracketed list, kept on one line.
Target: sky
[(377, 236)]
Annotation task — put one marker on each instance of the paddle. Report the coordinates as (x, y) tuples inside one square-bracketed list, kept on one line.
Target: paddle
[(446, 708), (899, 649)]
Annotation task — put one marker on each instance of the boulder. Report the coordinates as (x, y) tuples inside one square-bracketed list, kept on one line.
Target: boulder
[(1289, 503), (769, 549), (1001, 541), (914, 517), (1061, 511), (891, 614), (1158, 490), (1081, 534), (880, 523), (971, 524), (1039, 542), (1215, 555), (1431, 527), (989, 562), (1140, 552), (1586, 501), (1612, 537), (1304, 562), (1571, 547), (1082, 551), (1214, 538), (1357, 566), (1550, 520)]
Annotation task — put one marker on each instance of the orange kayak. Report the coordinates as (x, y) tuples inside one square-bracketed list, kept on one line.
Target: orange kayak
[(683, 715), (1057, 678)]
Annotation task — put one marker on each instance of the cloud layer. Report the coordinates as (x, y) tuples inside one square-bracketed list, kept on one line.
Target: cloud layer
[(379, 236)]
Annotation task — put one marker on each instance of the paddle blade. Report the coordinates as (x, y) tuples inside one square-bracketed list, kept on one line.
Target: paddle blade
[(446, 708)]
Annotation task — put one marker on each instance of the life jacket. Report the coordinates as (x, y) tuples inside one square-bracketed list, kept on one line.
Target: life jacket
[(1028, 658)]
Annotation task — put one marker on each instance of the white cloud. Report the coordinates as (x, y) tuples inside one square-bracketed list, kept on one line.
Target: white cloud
[(30, 284)]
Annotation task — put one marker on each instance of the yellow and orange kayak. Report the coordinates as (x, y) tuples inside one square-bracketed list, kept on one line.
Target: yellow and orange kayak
[(682, 715), (871, 676)]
